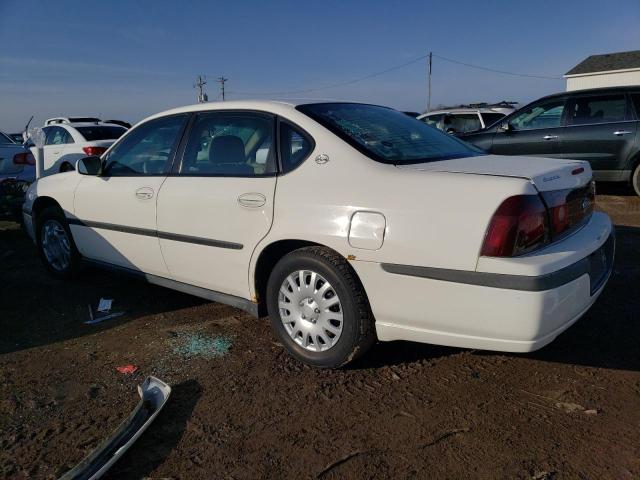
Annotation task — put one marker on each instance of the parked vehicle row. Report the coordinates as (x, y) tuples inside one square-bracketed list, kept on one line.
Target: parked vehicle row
[(344, 222), (69, 139), (17, 169), (599, 126)]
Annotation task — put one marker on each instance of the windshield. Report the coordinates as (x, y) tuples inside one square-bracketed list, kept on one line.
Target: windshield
[(101, 133), (387, 135), (5, 139)]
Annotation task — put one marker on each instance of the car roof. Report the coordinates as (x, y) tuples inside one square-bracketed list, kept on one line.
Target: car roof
[(466, 110), (273, 106), (630, 88)]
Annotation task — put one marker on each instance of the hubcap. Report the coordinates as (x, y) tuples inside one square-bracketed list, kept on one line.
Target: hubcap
[(55, 245), (310, 310)]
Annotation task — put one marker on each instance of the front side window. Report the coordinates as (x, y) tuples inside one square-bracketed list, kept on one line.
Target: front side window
[(542, 115), (230, 144), (598, 109), (147, 149), (387, 135), (294, 147), (461, 122)]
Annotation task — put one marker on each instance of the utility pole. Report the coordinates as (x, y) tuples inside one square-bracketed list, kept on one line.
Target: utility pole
[(429, 96), (221, 81), (200, 83)]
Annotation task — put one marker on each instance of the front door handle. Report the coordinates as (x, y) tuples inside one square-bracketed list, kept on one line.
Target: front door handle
[(550, 137), (252, 200), (619, 133), (144, 193)]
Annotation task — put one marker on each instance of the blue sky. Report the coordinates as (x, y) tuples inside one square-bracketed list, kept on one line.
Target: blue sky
[(126, 59)]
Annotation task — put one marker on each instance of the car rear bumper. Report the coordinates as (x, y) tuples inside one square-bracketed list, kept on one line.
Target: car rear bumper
[(510, 312)]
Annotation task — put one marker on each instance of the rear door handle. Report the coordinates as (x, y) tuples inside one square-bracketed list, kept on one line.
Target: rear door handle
[(550, 137), (619, 133), (144, 193), (252, 200)]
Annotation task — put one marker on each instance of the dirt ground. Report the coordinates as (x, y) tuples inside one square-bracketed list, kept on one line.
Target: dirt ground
[(568, 411)]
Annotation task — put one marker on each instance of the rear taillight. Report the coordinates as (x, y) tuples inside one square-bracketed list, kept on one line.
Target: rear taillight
[(25, 158), (520, 225), (94, 150), (569, 208)]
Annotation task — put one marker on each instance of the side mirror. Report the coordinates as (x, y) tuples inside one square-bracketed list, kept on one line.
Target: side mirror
[(90, 165), (505, 127)]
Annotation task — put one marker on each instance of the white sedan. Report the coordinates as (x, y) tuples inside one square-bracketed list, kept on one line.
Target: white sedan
[(345, 222)]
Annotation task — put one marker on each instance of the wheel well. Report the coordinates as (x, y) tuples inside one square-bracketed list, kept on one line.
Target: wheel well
[(267, 260), (41, 203)]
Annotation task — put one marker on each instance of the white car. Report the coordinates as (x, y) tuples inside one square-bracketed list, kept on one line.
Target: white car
[(69, 139), (466, 119), (360, 223)]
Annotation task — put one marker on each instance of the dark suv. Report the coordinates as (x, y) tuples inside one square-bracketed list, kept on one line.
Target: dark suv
[(599, 125)]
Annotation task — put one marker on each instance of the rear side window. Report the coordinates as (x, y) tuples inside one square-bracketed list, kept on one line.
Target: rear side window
[(433, 120), (91, 134), (600, 109), (238, 144), (58, 136), (461, 122), (147, 150), (294, 146), (491, 118)]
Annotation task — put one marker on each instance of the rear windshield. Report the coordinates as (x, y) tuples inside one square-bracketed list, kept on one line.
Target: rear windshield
[(387, 135), (91, 134), (4, 138)]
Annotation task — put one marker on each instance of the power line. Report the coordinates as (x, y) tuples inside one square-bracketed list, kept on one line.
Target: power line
[(504, 72), (391, 69), (335, 85)]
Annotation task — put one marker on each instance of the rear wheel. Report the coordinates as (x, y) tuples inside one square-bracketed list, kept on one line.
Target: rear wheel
[(55, 243), (635, 180), (318, 308)]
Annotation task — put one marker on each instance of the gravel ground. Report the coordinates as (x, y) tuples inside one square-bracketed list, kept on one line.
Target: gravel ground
[(242, 408)]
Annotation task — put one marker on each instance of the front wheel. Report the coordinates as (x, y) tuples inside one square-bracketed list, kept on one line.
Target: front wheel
[(318, 308), (55, 244), (635, 180)]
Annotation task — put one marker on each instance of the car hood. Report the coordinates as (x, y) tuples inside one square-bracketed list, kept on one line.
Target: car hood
[(545, 173)]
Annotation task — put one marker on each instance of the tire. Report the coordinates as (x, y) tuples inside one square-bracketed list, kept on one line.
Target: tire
[(317, 329), (55, 244), (635, 180)]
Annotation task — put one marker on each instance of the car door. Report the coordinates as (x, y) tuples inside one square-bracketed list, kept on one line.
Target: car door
[(600, 129), (534, 130), (116, 211), (55, 141), (218, 203)]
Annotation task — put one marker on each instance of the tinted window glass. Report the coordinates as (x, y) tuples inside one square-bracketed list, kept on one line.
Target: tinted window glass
[(636, 103), (542, 115), (461, 122), (234, 144), (57, 136), (294, 147), (433, 120), (491, 118), (91, 134), (147, 149), (586, 110), (387, 135), (4, 138)]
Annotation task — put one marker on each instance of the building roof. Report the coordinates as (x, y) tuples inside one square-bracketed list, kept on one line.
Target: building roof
[(607, 62)]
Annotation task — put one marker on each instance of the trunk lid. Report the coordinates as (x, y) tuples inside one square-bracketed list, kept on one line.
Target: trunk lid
[(546, 174)]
